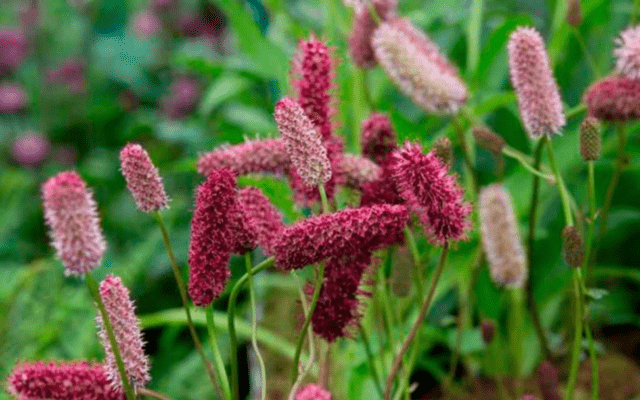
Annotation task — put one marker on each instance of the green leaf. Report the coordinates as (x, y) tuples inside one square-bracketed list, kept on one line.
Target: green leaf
[(597, 293), (249, 118), (221, 90)]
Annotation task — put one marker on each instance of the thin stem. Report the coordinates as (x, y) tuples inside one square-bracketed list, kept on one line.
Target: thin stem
[(386, 304), (575, 111), (217, 356), (231, 318), (416, 326), (591, 194), (577, 340), (513, 153), (177, 273), (307, 368), (595, 374), (323, 199), (307, 321), (93, 289), (370, 359), (153, 394), (564, 195), (475, 26), (583, 47), (634, 11), (415, 254), (516, 329), (254, 325), (466, 155)]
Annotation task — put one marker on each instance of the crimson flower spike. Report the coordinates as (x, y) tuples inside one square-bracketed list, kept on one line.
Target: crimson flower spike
[(266, 155), (143, 178), (614, 98)]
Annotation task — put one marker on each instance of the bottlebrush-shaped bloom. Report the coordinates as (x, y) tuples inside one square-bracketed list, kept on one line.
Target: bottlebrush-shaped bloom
[(572, 248), (313, 78), (211, 242), (628, 52), (363, 27), (77, 380), (338, 306), (549, 382), (15, 47), (313, 392), (262, 217), (358, 171), (429, 192), (266, 155), (416, 65), (13, 98), (339, 234), (590, 139), (378, 137), (70, 212), (243, 238), (143, 178), (303, 143), (537, 91), (384, 189), (127, 332), (501, 238), (614, 99)]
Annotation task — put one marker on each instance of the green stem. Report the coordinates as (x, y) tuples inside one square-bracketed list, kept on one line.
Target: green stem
[(516, 329), (577, 340), (374, 14), (386, 304), (466, 155), (231, 317), (564, 195), (177, 273), (307, 321), (370, 359), (153, 394), (254, 325), (521, 158), (323, 199), (415, 254), (595, 374), (591, 194), (475, 26), (93, 289), (575, 111), (217, 356), (417, 324), (634, 11)]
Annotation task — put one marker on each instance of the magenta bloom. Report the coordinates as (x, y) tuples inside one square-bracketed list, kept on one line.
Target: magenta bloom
[(538, 94), (71, 74), (70, 212), (303, 143), (184, 95), (30, 149), (358, 171), (383, 190), (266, 155), (378, 137), (262, 217), (76, 380), (147, 23), (363, 26), (614, 99), (13, 99), (337, 309), (14, 48), (429, 192), (339, 234), (127, 331), (313, 392), (628, 53), (143, 179)]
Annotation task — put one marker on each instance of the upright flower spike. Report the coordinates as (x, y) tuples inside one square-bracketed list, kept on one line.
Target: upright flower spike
[(416, 65), (77, 380), (429, 192), (143, 178), (313, 392), (72, 217), (339, 234), (628, 52), (266, 155), (590, 139), (572, 247), (378, 137), (211, 245), (303, 143), (127, 331), (262, 217), (363, 27), (501, 238), (538, 94), (614, 98), (359, 171)]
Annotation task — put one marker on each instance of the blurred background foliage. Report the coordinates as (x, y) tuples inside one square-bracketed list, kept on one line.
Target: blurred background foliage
[(98, 74)]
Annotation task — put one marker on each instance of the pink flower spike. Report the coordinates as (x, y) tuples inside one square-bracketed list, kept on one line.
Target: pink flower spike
[(313, 392), (127, 331), (378, 137), (339, 234), (266, 155), (429, 192), (614, 99), (628, 52), (70, 212), (538, 94), (363, 27), (76, 380), (143, 179), (303, 143), (262, 217), (359, 171)]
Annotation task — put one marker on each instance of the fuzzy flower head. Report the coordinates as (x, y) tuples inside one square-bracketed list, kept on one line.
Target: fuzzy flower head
[(416, 65), (537, 91), (74, 225), (363, 27), (266, 155), (303, 143), (614, 98), (30, 149), (429, 192), (313, 392), (262, 217), (358, 171), (339, 234), (143, 179), (13, 98), (501, 238), (628, 52), (378, 137), (127, 332), (76, 380)]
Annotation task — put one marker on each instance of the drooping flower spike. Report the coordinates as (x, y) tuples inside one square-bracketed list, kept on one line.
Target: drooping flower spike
[(76, 380), (538, 94), (266, 155), (358, 171), (614, 98), (72, 217), (143, 179), (127, 332)]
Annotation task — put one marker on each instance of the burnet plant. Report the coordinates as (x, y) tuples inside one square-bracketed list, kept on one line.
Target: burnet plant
[(403, 191)]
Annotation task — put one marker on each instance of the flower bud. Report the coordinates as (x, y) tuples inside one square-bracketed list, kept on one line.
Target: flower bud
[(572, 248), (590, 139), (574, 13), (488, 139), (444, 152), (488, 330)]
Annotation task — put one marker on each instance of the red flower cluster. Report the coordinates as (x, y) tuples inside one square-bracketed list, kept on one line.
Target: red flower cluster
[(614, 99), (267, 155), (378, 137), (358, 171)]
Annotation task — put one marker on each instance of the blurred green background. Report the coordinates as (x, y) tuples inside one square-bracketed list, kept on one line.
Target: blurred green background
[(98, 74)]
